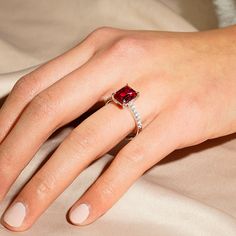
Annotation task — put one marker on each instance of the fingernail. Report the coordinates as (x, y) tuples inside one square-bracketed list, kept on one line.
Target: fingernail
[(15, 215), (79, 214)]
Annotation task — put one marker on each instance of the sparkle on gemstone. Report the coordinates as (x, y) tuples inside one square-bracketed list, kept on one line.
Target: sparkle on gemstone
[(125, 95)]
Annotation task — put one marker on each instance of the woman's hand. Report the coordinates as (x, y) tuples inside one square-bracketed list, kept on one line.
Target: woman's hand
[(187, 88)]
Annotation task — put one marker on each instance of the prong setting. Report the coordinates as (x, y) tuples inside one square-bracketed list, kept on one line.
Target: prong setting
[(125, 97)]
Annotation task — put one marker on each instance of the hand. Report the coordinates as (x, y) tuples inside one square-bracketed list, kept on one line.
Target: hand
[(187, 91)]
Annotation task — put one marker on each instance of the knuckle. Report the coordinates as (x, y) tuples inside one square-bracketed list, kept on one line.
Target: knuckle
[(21, 83), (7, 161), (99, 34), (102, 31), (44, 104), (133, 156), (128, 45), (106, 189), (97, 39), (25, 86), (81, 140), (44, 185)]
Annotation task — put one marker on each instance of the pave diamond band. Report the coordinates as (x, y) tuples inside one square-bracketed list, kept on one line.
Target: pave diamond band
[(125, 97), (137, 118)]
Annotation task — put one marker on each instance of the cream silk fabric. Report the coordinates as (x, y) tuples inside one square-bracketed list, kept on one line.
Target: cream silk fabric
[(191, 192)]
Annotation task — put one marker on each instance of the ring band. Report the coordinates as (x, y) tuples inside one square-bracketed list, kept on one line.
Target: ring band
[(125, 97)]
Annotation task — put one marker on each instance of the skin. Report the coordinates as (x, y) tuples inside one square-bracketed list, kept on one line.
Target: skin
[(187, 85)]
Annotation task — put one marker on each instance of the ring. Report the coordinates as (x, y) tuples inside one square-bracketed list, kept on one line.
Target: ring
[(125, 97)]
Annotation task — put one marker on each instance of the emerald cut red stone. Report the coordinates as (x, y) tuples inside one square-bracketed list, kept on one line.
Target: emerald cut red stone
[(125, 95)]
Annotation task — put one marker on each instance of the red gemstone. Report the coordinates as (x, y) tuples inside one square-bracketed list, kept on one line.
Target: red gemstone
[(125, 95)]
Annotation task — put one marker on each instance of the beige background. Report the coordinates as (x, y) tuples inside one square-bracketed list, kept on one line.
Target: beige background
[(191, 192), (200, 13)]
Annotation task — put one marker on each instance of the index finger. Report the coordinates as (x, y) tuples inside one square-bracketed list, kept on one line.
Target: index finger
[(36, 81)]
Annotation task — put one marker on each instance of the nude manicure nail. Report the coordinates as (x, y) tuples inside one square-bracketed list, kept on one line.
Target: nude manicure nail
[(79, 214), (15, 215)]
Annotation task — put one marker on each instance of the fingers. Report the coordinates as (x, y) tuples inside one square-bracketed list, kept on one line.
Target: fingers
[(59, 104), (86, 143), (33, 83), (92, 138), (156, 141)]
